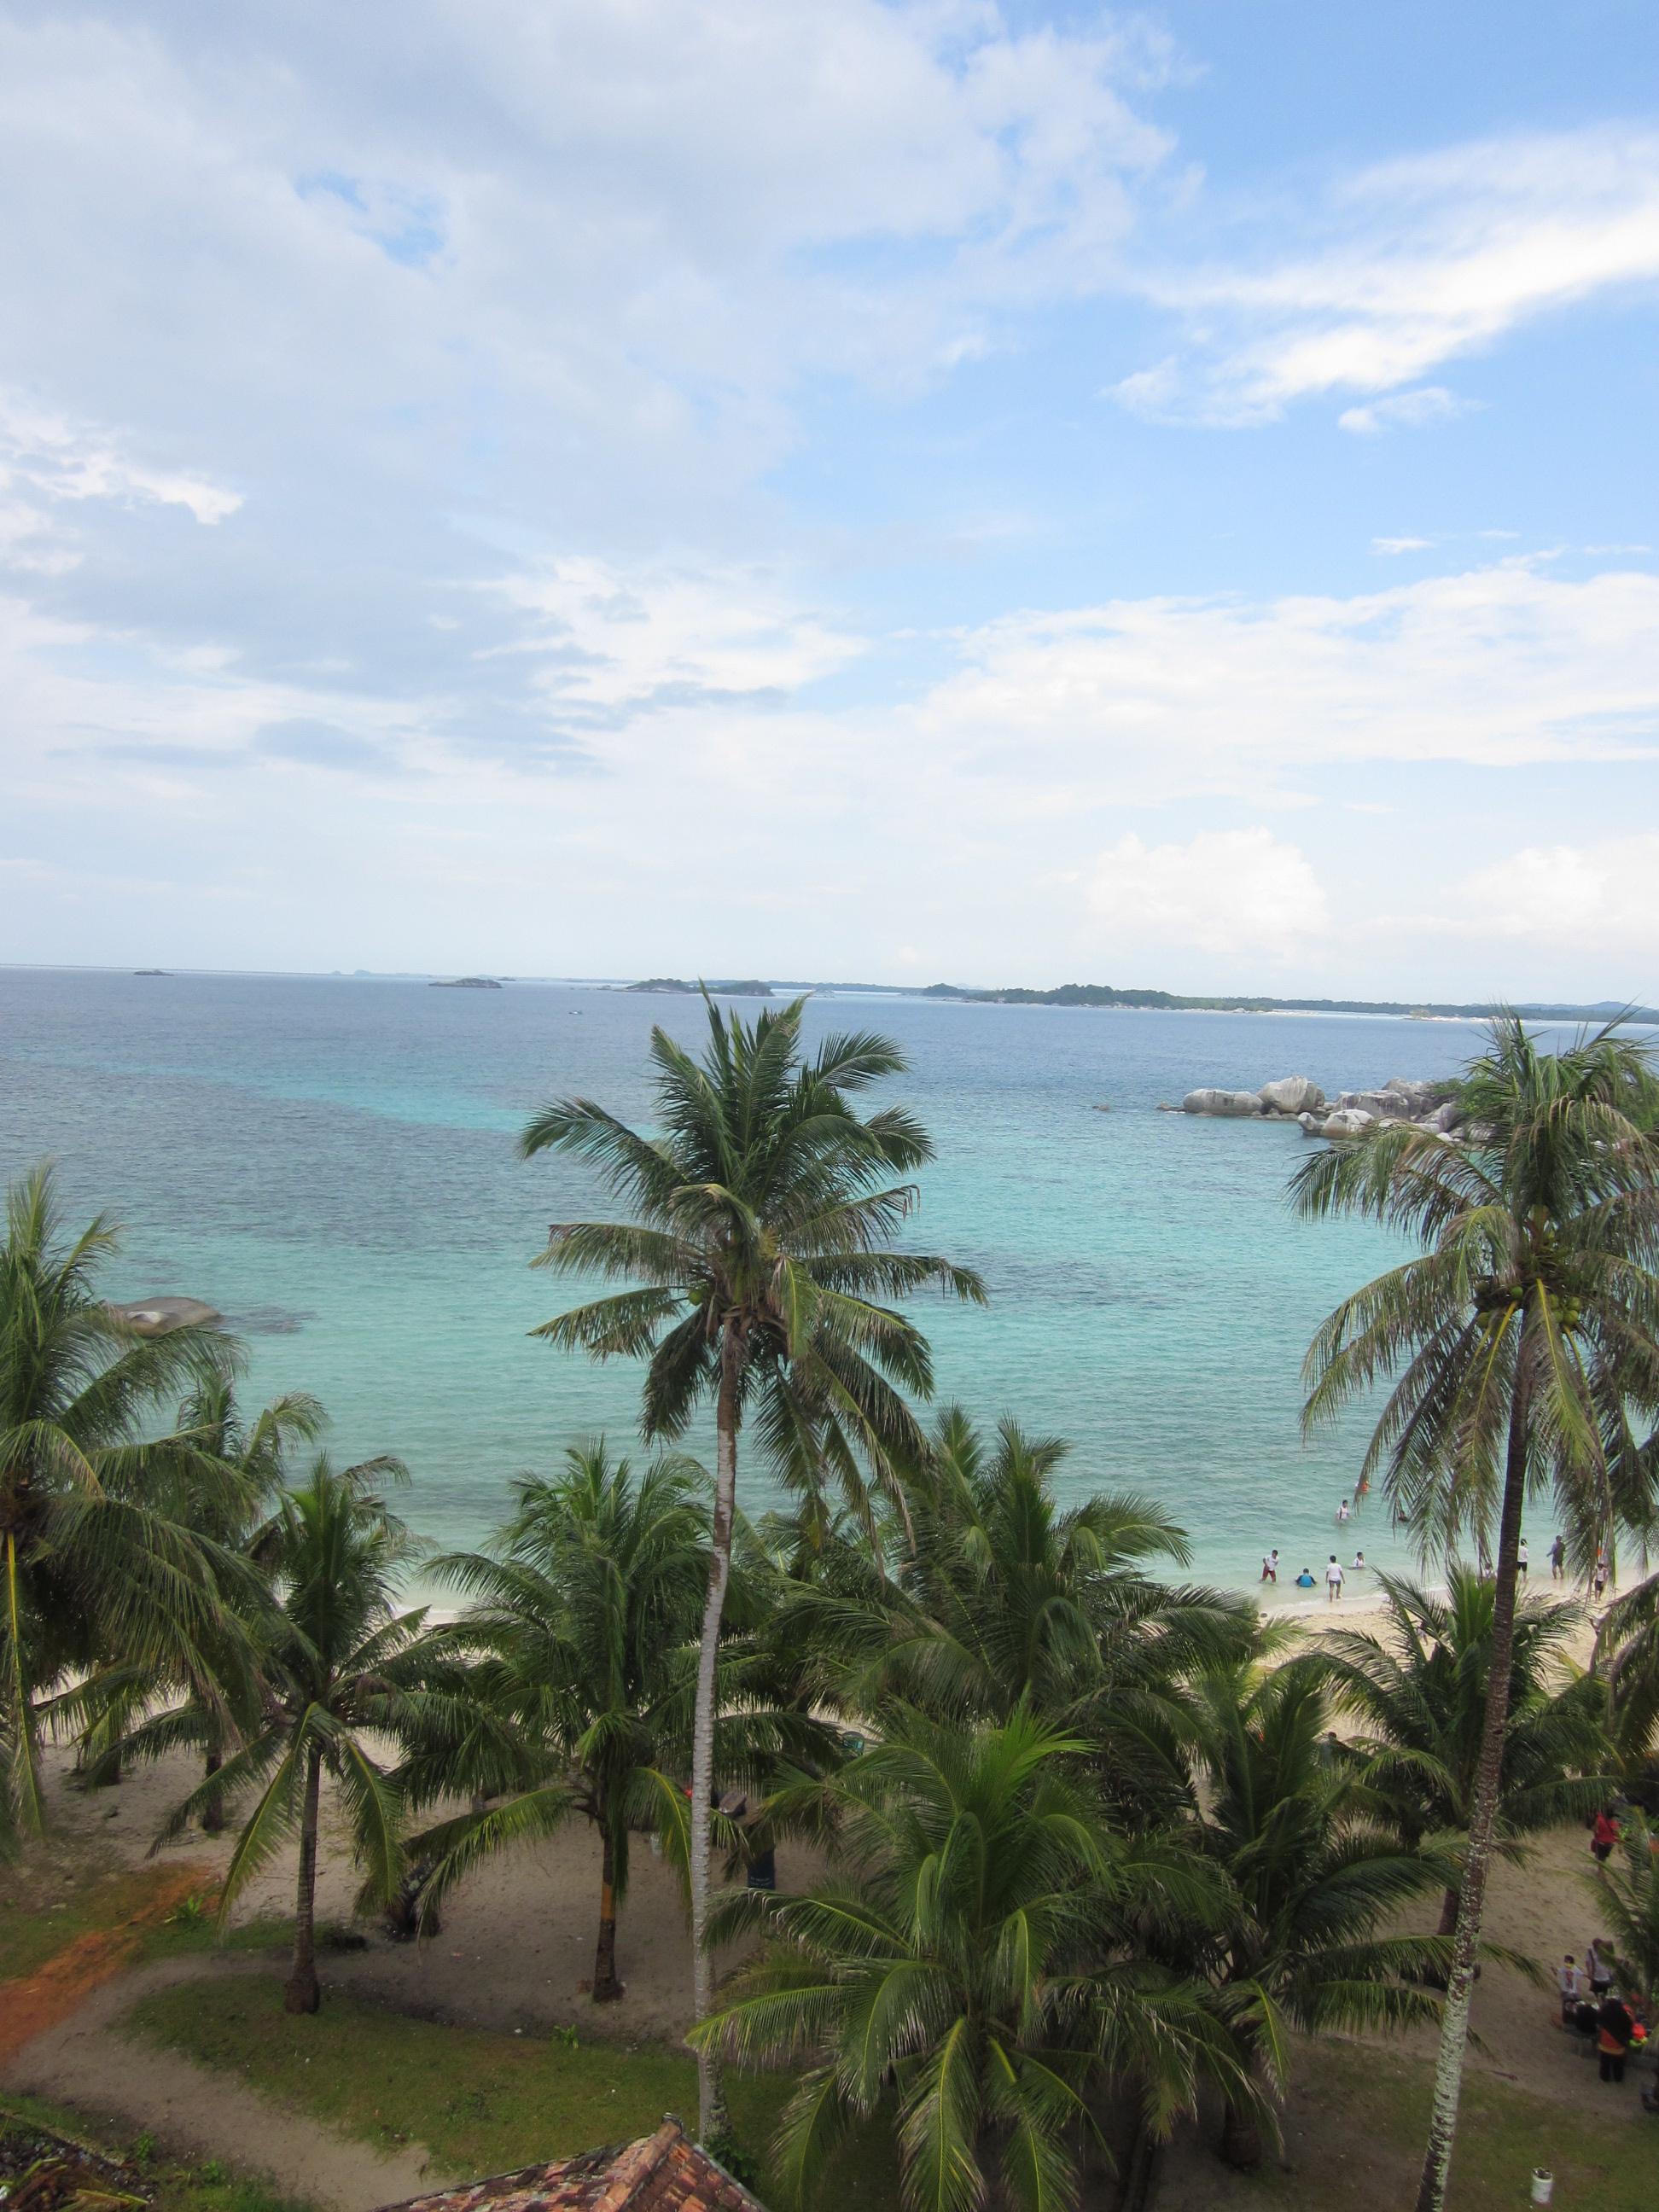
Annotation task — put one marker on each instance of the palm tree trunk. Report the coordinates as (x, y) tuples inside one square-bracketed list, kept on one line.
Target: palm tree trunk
[(213, 1818), (606, 1988), (300, 1992), (711, 2104), (1483, 1811), (1241, 2137)]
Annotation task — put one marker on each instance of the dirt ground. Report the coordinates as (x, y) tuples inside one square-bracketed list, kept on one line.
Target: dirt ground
[(516, 1946)]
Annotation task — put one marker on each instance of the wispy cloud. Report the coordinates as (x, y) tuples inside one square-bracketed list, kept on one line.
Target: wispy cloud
[(1402, 268), (1392, 545), (1401, 411)]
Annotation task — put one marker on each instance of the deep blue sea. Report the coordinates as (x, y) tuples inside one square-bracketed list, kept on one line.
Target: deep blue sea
[(331, 1164)]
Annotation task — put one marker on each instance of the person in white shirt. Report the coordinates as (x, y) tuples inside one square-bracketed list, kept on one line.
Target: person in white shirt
[(1359, 1562), (1333, 1582), (1342, 1513), (1571, 1983), (1270, 1565), (1521, 1559)]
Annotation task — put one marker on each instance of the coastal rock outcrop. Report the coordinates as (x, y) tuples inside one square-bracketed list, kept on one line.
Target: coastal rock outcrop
[(1427, 1105), (1238, 1102), (1290, 1093)]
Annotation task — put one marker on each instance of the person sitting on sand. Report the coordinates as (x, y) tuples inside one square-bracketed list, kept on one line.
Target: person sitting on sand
[(1333, 1582), (1305, 1579)]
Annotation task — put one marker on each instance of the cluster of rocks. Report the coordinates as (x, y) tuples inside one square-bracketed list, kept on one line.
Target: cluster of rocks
[(1296, 1098)]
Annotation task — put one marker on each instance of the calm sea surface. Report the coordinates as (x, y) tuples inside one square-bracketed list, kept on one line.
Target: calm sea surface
[(331, 1164)]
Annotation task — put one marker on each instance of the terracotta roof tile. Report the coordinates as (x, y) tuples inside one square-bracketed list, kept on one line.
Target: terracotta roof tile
[(660, 2173)]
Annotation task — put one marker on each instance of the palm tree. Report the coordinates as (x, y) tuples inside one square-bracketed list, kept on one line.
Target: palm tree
[(584, 1621), (975, 1968), (98, 1566), (761, 1213), (340, 1670), (1419, 1693), (216, 1675), (1012, 1601), (1314, 1868), (1521, 1345), (1627, 1660)]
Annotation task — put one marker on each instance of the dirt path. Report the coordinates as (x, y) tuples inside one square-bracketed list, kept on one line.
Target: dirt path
[(83, 2060), (36, 2002)]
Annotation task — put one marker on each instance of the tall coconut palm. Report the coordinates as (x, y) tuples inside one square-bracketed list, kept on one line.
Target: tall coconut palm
[(758, 1247), (583, 1623), (1418, 1692), (975, 1969), (1519, 1346), (341, 1671), (98, 1564), (1314, 1868)]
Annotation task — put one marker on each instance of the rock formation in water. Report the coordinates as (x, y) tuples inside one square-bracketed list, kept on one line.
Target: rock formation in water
[(1296, 1098)]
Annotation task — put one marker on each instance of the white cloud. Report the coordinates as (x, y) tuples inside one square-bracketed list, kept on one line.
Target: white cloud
[(60, 459), (1390, 546), (1401, 411), (1228, 891), (1409, 265), (610, 641), (1499, 666), (1602, 897)]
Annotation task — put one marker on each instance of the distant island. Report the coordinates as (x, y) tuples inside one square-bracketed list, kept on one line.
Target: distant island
[(747, 988), (1108, 994), (466, 983), (1104, 995), (152, 971)]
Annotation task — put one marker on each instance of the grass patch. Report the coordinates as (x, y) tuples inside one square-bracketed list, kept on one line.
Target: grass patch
[(170, 2188), (480, 2102), (1359, 2117)]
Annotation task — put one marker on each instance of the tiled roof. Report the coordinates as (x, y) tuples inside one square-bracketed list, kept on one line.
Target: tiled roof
[(663, 2172)]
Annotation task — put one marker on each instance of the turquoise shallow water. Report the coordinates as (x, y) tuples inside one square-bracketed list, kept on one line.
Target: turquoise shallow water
[(331, 1164)]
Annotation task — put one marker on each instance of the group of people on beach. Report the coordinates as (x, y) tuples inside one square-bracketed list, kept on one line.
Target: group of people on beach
[(1335, 1575), (1591, 2004)]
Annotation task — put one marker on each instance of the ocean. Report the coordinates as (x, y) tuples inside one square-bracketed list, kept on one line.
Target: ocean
[(330, 1162)]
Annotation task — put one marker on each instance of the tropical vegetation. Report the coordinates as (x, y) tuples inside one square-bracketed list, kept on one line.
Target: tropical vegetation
[(1520, 1350), (1077, 1837), (758, 1245)]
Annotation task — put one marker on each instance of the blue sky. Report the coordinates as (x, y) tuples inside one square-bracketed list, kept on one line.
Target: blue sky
[(1011, 494)]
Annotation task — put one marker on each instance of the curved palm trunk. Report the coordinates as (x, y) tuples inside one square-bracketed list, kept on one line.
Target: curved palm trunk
[(606, 1988), (711, 2103), (1483, 1812), (300, 1992)]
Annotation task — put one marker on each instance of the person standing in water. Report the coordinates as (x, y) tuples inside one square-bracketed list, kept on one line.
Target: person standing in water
[(1558, 1558), (1342, 1512)]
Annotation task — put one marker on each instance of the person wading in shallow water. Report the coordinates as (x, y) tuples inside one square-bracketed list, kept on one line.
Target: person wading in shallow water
[(1332, 1581)]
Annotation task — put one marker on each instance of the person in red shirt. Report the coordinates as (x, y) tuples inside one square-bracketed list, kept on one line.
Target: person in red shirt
[(1605, 1837)]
